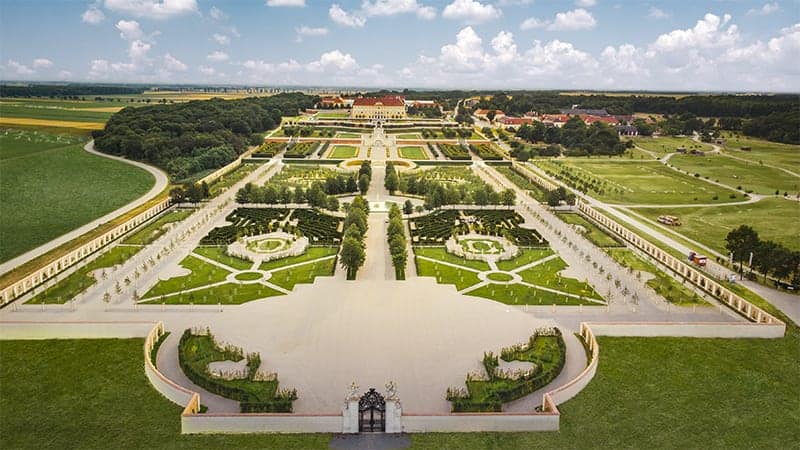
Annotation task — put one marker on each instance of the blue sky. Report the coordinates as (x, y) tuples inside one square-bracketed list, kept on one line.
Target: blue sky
[(583, 44)]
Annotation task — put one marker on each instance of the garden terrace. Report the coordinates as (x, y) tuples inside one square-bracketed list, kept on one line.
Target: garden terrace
[(301, 149), (546, 352), (319, 228), (486, 151), (269, 149), (256, 391), (453, 151)]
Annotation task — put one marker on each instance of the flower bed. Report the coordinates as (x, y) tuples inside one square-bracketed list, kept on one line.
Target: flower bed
[(486, 392), (256, 391)]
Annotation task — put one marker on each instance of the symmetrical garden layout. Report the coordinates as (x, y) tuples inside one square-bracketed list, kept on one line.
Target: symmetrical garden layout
[(489, 270)]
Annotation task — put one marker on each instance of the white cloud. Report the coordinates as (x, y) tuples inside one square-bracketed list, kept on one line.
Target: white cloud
[(708, 32), (93, 15), (333, 60), (173, 64), (532, 23), (221, 39), (152, 9), (342, 17), (765, 10), (217, 14), (471, 11), (306, 31), (466, 55), (394, 7), (64, 75), (129, 30), (217, 56), (655, 13), (20, 69), (577, 19), (586, 3), (138, 51), (42, 63), (207, 71), (99, 68), (289, 3)]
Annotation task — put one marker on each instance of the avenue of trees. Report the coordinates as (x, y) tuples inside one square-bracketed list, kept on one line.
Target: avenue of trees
[(353, 252), (769, 258), (319, 194), (189, 139), (396, 237)]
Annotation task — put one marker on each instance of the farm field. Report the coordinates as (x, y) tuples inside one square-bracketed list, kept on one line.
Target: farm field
[(54, 186), (773, 218), (343, 152), (734, 172), (628, 182), (773, 153), (412, 152), (668, 144)]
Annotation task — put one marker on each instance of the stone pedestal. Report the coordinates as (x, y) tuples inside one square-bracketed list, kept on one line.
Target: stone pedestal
[(350, 416), (394, 416)]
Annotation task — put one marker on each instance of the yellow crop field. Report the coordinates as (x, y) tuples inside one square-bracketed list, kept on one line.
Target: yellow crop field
[(52, 123)]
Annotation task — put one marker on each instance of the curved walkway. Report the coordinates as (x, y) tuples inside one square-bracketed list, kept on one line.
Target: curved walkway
[(161, 183)]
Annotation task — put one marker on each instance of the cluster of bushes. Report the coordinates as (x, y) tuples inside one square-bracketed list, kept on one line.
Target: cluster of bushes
[(524, 152), (269, 149), (353, 253), (186, 139), (190, 192), (487, 393), (451, 186), (196, 351), (298, 131), (301, 149), (271, 194), (486, 151), (769, 257), (432, 112), (319, 228), (579, 139), (396, 237), (432, 150), (454, 151)]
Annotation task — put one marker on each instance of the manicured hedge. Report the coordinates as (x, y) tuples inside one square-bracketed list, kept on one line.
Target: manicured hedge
[(269, 149), (454, 151), (301, 149), (486, 151)]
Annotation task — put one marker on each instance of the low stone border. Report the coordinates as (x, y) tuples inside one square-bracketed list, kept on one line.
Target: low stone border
[(239, 248), (453, 246)]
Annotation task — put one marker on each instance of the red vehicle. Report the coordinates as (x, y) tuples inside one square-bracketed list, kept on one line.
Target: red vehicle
[(698, 259)]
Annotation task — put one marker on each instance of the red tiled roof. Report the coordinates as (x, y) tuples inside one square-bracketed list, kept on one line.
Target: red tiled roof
[(385, 101), (516, 120), (588, 120)]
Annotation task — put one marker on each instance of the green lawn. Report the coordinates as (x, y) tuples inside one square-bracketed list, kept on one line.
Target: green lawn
[(773, 218), (231, 178), (343, 152), (310, 254), (700, 394), (218, 254), (306, 273), (668, 144), (412, 152), (444, 274), (649, 182), (442, 255), (737, 173), (226, 294), (80, 280), (53, 189), (409, 136), (333, 114), (547, 274), (773, 153), (593, 233), (202, 274), (155, 229), (518, 294), (666, 286), (344, 135), (526, 256)]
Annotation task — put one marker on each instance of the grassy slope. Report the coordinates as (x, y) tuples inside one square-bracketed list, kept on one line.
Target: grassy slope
[(53, 190), (781, 155), (733, 172), (773, 218), (668, 144)]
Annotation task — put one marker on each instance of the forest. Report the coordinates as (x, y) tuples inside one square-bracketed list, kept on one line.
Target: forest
[(66, 90), (193, 138)]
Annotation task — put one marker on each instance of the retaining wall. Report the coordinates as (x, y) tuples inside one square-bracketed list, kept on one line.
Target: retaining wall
[(260, 423), (459, 423)]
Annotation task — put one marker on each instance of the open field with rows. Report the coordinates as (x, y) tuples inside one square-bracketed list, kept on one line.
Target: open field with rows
[(54, 186), (737, 173), (773, 218), (772, 153), (636, 182)]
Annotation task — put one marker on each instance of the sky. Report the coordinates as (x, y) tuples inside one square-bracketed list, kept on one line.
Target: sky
[(675, 45)]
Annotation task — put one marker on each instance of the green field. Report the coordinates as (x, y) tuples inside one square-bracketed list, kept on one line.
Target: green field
[(666, 286), (54, 186), (669, 144), (592, 232), (218, 254), (306, 273), (773, 153), (707, 386), (412, 152), (343, 152), (737, 173), (202, 273), (636, 182), (774, 218), (226, 294), (34, 110)]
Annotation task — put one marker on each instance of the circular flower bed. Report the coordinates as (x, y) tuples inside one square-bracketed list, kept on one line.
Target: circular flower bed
[(268, 247), (481, 247)]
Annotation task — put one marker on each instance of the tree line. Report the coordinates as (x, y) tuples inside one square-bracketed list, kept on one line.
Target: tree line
[(189, 139), (353, 252), (396, 237), (66, 90), (578, 138), (769, 257)]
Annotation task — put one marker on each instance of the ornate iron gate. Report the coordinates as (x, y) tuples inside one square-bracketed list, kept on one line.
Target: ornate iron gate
[(371, 412)]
